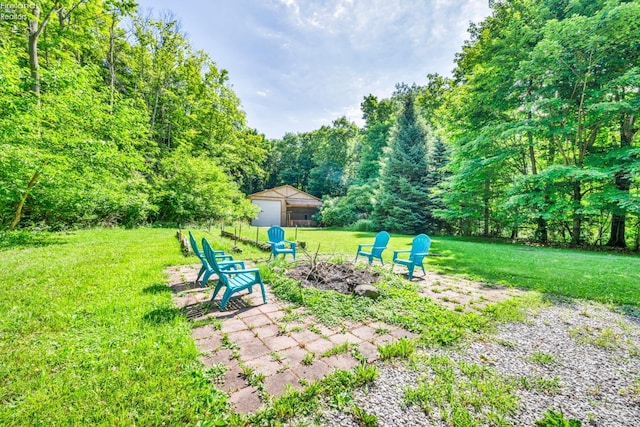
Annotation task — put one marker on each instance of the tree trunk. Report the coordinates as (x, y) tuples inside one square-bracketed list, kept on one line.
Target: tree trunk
[(112, 67), (576, 229), (34, 33), (18, 214), (487, 211), (623, 183), (540, 235)]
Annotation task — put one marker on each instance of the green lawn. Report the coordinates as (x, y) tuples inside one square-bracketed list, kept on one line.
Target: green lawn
[(89, 333), (603, 277)]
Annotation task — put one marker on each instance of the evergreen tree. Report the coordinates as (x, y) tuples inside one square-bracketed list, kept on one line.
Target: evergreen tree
[(403, 203), (436, 175)]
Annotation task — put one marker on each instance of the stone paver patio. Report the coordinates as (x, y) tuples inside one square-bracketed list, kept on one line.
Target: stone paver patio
[(285, 346)]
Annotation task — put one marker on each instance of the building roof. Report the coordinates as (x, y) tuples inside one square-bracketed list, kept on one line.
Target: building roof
[(291, 195)]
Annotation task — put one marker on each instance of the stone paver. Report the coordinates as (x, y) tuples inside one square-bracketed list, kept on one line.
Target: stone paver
[(269, 307), (233, 325), (319, 346), (253, 349), (211, 343), (233, 380), (205, 331), (293, 356), (257, 319), (265, 364), (267, 331), (341, 361), (240, 337), (369, 351), (312, 372), (402, 333), (365, 333), (344, 338), (383, 339), (281, 342), (277, 384), (305, 336), (221, 356), (246, 400)]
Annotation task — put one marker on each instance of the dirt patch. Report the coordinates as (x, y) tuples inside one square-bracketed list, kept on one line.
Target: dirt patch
[(332, 276)]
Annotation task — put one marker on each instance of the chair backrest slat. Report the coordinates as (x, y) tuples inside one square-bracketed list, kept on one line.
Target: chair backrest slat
[(420, 245), (276, 234)]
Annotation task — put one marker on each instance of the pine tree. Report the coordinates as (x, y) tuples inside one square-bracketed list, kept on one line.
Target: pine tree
[(438, 158), (403, 201)]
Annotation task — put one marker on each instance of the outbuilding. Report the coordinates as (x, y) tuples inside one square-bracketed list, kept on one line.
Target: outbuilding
[(285, 206)]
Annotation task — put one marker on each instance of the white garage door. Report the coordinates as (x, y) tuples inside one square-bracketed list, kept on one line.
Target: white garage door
[(269, 214)]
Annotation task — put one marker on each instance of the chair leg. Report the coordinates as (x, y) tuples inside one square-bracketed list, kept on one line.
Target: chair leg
[(217, 289), (205, 278), (410, 267), (200, 273), (264, 295), (225, 299)]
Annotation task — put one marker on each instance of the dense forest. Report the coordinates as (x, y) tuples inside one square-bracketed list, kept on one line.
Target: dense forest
[(111, 118)]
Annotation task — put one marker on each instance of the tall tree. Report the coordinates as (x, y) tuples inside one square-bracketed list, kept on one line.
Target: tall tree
[(403, 203)]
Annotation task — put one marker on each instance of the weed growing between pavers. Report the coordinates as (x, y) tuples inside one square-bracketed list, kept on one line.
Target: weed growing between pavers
[(398, 304)]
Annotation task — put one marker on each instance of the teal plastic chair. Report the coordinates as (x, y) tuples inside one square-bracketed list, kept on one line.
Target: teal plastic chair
[(378, 246), (279, 244), (419, 250), (206, 271), (234, 277)]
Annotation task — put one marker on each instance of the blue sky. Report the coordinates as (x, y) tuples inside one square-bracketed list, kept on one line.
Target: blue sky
[(299, 64)]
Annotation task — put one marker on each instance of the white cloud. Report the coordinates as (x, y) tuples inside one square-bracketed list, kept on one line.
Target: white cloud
[(298, 64)]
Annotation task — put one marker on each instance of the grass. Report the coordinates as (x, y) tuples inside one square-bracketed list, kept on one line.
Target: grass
[(89, 333), (604, 277), (462, 394)]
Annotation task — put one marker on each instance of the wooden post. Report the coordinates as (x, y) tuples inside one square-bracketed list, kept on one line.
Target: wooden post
[(296, 238), (257, 230)]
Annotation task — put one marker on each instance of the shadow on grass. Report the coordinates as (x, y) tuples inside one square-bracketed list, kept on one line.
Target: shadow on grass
[(161, 316), (27, 239), (157, 288)]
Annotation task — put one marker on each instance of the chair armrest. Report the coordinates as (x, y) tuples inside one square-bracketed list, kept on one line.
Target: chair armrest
[(363, 245), (244, 270), (223, 257), (422, 254), (228, 264), (396, 253)]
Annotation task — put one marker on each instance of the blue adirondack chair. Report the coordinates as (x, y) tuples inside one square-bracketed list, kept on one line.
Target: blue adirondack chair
[(233, 279), (206, 270), (379, 245), (419, 249), (279, 244)]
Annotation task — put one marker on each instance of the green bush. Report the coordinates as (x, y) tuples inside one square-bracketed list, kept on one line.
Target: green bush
[(363, 225)]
